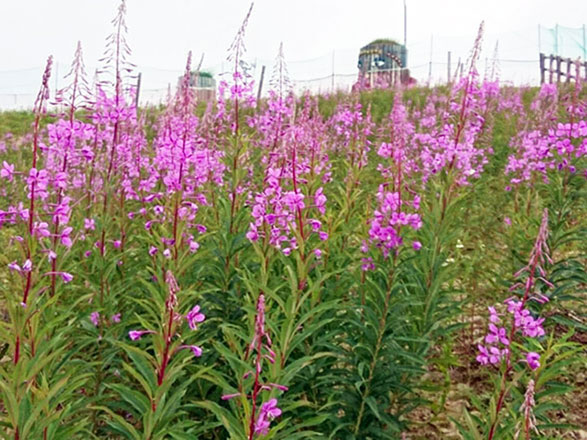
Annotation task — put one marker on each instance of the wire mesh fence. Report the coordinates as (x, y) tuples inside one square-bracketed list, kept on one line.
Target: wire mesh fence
[(429, 62)]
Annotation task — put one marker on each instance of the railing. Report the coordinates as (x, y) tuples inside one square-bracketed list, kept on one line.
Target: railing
[(554, 68)]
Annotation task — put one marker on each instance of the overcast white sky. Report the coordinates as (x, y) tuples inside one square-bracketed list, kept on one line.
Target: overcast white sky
[(162, 31)]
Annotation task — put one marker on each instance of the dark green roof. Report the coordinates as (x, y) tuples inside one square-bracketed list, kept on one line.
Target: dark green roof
[(383, 41), (203, 74)]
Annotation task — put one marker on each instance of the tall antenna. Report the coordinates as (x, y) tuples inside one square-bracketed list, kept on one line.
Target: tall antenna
[(405, 25)]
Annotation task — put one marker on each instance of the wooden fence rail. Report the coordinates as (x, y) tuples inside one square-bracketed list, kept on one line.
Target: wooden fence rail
[(558, 68)]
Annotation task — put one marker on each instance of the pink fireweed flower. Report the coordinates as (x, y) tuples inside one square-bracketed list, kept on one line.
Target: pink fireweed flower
[(27, 266), (65, 276), (14, 266), (533, 359), (320, 200), (417, 245), (194, 316), (493, 315), (95, 318), (135, 335), (194, 246), (269, 411), (115, 318), (41, 229), (279, 387), (197, 351), (493, 355), (7, 171), (497, 334), (65, 238), (153, 250), (252, 234)]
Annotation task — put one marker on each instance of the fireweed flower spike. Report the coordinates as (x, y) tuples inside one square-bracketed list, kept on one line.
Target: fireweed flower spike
[(261, 345), (527, 409), (522, 322)]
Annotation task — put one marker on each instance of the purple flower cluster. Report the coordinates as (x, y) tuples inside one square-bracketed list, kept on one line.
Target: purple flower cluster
[(522, 321), (497, 339), (547, 144), (389, 217), (454, 145), (276, 213), (268, 412)]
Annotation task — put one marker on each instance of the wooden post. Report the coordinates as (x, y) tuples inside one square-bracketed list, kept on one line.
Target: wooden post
[(550, 68), (138, 91), (542, 67), (569, 64), (558, 69), (260, 85)]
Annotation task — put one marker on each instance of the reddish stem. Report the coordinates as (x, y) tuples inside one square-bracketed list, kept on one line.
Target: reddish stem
[(256, 388), (165, 359)]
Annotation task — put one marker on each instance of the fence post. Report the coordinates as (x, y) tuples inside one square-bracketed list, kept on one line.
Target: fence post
[(569, 64), (550, 69), (260, 85), (559, 61), (542, 68)]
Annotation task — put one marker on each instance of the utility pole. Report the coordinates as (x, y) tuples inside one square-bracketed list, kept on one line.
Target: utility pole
[(406, 26), (539, 41), (138, 91), (332, 82), (430, 62)]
